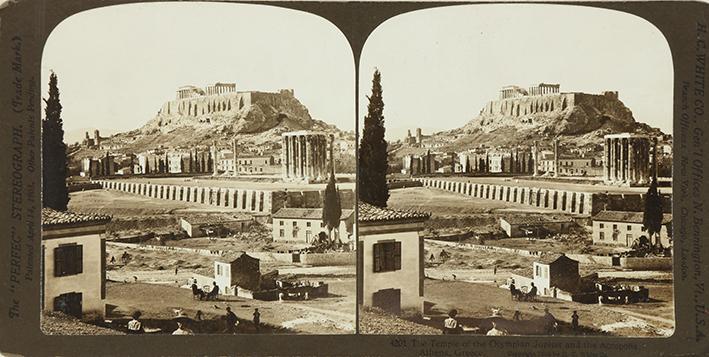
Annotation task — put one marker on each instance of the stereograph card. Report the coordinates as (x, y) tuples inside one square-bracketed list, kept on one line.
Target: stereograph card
[(354, 178)]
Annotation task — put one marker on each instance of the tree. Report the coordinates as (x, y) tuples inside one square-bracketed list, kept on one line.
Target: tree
[(373, 161), (55, 193), (652, 216), (332, 207)]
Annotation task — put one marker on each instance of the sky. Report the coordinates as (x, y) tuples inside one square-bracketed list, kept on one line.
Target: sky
[(117, 65), (441, 66)]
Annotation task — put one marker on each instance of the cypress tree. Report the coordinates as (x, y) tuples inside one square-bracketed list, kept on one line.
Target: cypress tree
[(332, 208), (373, 163), (55, 193), (652, 216)]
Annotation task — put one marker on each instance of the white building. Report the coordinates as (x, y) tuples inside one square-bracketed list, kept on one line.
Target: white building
[(304, 224), (622, 228), (73, 252), (391, 259)]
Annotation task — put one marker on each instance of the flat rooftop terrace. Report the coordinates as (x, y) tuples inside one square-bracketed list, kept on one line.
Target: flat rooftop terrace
[(559, 184)]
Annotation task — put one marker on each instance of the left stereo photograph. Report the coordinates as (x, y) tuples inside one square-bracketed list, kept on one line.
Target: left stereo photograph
[(198, 172)]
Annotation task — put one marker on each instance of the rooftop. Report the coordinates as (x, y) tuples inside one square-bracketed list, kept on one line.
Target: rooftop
[(625, 216), (54, 218), (232, 256), (370, 213), (307, 213), (550, 218), (551, 258)]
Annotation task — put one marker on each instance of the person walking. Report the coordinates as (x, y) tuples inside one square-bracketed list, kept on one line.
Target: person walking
[(231, 321), (257, 320)]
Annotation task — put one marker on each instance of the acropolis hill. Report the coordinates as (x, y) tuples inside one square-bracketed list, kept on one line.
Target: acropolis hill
[(198, 116), (542, 112)]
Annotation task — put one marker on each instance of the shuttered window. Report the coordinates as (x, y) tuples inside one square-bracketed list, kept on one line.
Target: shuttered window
[(68, 260), (387, 256)]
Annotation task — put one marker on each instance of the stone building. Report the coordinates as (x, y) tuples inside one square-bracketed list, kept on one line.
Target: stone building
[(550, 273), (74, 269), (302, 225), (621, 228), (237, 270), (391, 259), (258, 164), (304, 155), (627, 159)]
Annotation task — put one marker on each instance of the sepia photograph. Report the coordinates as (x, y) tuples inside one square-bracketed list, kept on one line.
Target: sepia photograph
[(199, 172), (515, 174)]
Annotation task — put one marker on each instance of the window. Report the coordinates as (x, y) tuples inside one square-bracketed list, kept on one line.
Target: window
[(628, 238), (282, 222), (308, 236), (601, 235), (615, 237), (322, 225), (538, 271), (615, 226), (600, 225), (630, 227), (387, 256), (308, 224), (294, 233), (282, 233), (68, 260), (219, 269), (295, 223)]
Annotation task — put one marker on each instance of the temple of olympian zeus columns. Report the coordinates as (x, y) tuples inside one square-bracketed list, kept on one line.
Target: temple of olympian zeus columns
[(627, 159), (304, 156)]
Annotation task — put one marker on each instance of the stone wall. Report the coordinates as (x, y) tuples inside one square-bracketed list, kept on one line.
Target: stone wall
[(561, 200), (246, 200), (567, 201)]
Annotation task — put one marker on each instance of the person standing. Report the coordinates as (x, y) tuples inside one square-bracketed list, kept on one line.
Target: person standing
[(575, 321), (231, 321), (257, 320)]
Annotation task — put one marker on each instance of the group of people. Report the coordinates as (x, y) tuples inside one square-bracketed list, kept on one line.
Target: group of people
[(201, 294), (520, 295), (551, 324), (135, 325)]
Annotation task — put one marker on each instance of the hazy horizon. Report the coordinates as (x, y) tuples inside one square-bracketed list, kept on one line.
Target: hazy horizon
[(441, 66), (117, 65)]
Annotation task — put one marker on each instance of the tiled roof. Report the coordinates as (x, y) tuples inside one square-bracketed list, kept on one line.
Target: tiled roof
[(369, 213), (550, 218), (628, 217), (550, 258), (52, 218), (307, 213)]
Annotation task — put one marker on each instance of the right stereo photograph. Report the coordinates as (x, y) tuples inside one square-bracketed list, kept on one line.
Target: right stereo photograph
[(515, 174)]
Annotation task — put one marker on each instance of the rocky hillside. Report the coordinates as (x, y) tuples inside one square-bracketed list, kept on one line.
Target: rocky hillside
[(582, 118), (256, 118)]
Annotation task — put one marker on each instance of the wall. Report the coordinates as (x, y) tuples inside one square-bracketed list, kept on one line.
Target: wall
[(406, 279), (560, 200), (328, 259), (625, 237), (88, 283)]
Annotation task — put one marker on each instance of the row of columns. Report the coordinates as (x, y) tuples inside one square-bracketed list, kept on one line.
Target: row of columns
[(565, 201), (304, 156), (544, 89), (627, 160), (243, 200), (221, 88)]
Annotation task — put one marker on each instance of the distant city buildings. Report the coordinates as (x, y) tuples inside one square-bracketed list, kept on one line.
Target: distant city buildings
[(303, 225)]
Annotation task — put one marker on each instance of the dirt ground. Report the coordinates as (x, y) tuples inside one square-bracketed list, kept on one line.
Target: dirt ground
[(334, 314), (477, 300), (126, 205)]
